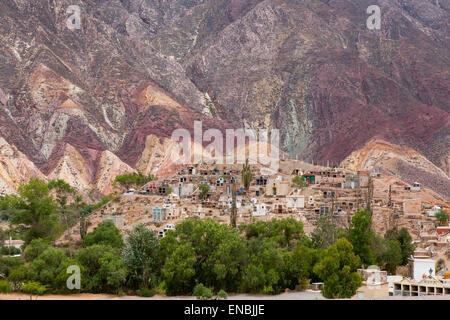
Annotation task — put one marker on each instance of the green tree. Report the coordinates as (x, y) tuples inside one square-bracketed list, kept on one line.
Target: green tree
[(379, 248), (133, 179), (204, 189), (325, 233), (361, 236), (336, 267), (405, 240), (392, 256), (35, 207), (284, 232), (35, 248), (219, 251), (8, 264), (303, 261), (178, 271), (299, 182), (50, 269), (106, 233), (2, 237), (103, 269), (142, 257), (442, 217), (264, 271), (246, 175)]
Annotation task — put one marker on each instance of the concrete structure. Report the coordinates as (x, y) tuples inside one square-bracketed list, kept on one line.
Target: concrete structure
[(158, 213), (425, 287), (14, 243), (421, 268), (118, 220), (373, 276), (278, 188), (391, 280), (415, 186), (295, 201)]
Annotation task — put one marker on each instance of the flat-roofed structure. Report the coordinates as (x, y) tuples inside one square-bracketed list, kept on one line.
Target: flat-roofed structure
[(429, 286)]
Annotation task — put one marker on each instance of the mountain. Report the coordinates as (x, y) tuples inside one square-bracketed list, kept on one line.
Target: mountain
[(136, 70)]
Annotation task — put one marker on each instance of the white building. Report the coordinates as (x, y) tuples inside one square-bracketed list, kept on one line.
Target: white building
[(421, 268)]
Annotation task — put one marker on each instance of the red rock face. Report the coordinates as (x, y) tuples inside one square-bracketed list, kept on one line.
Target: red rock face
[(138, 68)]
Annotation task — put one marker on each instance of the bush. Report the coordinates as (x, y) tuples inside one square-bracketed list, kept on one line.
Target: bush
[(105, 234), (103, 269), (7, 264), (202, 292), (17, 276), (222, 295), (34, 249), (5, 287), (145, 292), (6, 251), (34, 287)]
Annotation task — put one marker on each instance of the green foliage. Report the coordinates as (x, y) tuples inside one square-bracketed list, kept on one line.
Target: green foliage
[(2, 237), (145, 292), (302, 264), (35, 248), (142, 257), (105, 234), (284, 232), (212, 252), (442, 216), (34, 206), (10, 251), (103, 269), (204, 189), (299, 182), (202, 292), (361, 235), (9, 263), (336, 267), (17, 276), (326, 232), (264, 271), (50, 268), (222, 295), (34, 287), (178, 271), (392, 256), (246, 175), (440, 265), (405, 240), (5, 287), (133, 179)]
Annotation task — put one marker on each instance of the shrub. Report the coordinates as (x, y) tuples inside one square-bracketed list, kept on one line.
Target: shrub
[(17, 276), (34, 249), (5, 287), (202, 292), (103, 269), (222, 295), (105, 234), (6, 251), (33, 287), (145, 292), (7, 264)]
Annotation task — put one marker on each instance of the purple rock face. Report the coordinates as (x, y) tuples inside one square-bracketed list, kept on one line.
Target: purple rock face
[(310, 68)]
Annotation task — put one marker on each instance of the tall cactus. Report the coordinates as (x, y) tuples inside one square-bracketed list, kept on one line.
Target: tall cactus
[(246, 175)]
